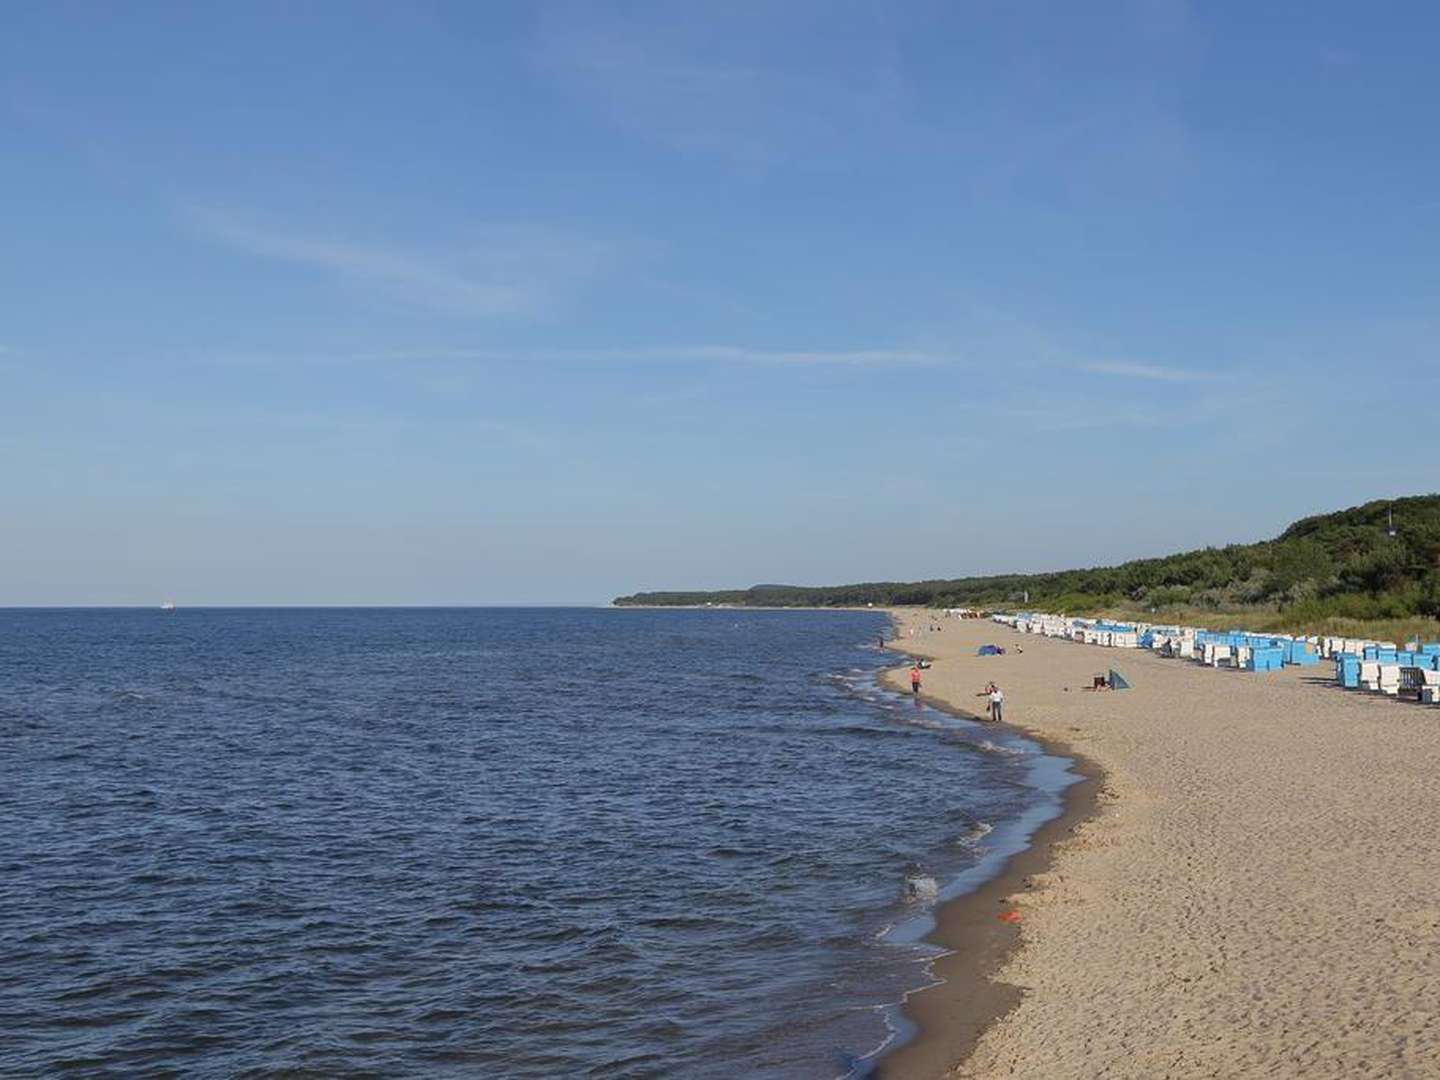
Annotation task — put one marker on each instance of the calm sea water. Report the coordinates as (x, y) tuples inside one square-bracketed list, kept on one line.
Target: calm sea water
[(476, 842)]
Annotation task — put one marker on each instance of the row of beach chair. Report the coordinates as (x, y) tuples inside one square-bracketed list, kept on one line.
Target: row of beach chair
[(1360, 664)]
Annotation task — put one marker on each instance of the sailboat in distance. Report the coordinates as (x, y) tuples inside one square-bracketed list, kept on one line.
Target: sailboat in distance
[(167, 605)]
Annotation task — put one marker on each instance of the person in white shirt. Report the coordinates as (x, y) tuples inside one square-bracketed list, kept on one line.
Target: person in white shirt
[(997, 701)]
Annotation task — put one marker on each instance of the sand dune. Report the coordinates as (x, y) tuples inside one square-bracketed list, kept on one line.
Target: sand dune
[(1258, 893)]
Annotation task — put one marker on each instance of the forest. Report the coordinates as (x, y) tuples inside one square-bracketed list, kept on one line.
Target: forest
[(1378, 561)]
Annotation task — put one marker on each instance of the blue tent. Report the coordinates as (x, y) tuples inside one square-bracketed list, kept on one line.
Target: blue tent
[(1117, 681), (989, 650)]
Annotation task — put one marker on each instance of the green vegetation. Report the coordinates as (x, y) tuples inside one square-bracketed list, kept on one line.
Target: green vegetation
[(1338, 573)]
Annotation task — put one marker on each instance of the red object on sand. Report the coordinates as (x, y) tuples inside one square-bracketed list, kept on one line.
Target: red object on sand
[(1009, 916)]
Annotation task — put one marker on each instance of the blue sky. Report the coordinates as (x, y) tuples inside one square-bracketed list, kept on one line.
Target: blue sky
[(505, 303)]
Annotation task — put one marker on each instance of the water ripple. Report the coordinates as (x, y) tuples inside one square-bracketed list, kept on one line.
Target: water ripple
[(529, 843)]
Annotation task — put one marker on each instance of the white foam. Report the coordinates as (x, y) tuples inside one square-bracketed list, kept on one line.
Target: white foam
[(978, 833), (921, 887)]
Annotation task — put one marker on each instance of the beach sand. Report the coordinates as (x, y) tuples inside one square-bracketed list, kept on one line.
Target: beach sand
[(1249, 886)]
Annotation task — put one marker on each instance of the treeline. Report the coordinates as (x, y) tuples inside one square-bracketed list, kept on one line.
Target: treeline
[(1345, 564)]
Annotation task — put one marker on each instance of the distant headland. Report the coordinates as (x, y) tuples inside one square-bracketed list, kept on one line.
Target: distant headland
[(1378, 563)]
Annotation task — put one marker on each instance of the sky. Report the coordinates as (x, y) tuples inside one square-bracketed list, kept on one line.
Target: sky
[(433, 303)]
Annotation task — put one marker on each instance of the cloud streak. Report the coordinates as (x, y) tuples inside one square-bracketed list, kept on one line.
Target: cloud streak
[(711, 81), (730, 354), (1087, 416), (689, 354), (507, 272), (706, 83), (1152, 372)]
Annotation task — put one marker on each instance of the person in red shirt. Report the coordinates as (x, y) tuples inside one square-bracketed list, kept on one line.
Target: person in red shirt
[(915, 679)]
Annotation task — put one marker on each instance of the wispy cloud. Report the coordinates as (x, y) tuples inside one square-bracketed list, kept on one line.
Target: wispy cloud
[(1153, 372), (732, 354), (705, 82), (503, 271), (805, 85), (1081, 416), (693, 354)]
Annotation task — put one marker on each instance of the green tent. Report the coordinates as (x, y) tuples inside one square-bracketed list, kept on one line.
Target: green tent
[(1117, 681)]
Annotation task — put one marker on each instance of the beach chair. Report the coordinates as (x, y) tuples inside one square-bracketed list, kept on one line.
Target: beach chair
[(1369, 675)]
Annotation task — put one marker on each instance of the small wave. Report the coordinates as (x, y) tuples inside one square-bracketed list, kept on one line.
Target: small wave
[(862, 732), (921, 888), (921, 720), (974, 836), (725, 852), (682, 922), (996, 748)]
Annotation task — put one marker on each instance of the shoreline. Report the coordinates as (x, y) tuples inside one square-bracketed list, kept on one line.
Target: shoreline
[(951, 1015), (1253, 894)]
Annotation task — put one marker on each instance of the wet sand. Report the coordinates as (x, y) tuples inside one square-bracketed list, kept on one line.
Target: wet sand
[(1249, 885)]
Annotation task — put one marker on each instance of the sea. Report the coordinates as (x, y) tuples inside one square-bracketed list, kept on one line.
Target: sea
[(579, 842)]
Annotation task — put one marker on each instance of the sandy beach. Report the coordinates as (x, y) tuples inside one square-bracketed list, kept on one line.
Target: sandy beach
[(1249, 885)]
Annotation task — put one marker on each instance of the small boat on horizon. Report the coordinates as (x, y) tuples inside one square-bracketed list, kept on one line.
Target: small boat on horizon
[(167, 605)]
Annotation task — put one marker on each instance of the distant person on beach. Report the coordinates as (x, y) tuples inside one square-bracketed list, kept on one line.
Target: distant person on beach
[(915, 679), (997, 702), (989, 689)]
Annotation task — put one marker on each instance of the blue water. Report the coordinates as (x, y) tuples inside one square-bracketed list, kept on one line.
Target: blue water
[(476, 842)]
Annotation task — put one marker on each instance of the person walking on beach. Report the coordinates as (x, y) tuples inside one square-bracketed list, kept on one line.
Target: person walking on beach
[(915, 678), (997, 702)]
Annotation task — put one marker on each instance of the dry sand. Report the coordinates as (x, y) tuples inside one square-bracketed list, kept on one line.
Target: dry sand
[(1256, 894)]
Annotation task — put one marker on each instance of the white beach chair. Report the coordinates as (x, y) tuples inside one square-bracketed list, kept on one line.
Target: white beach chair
[(1369, 675)]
